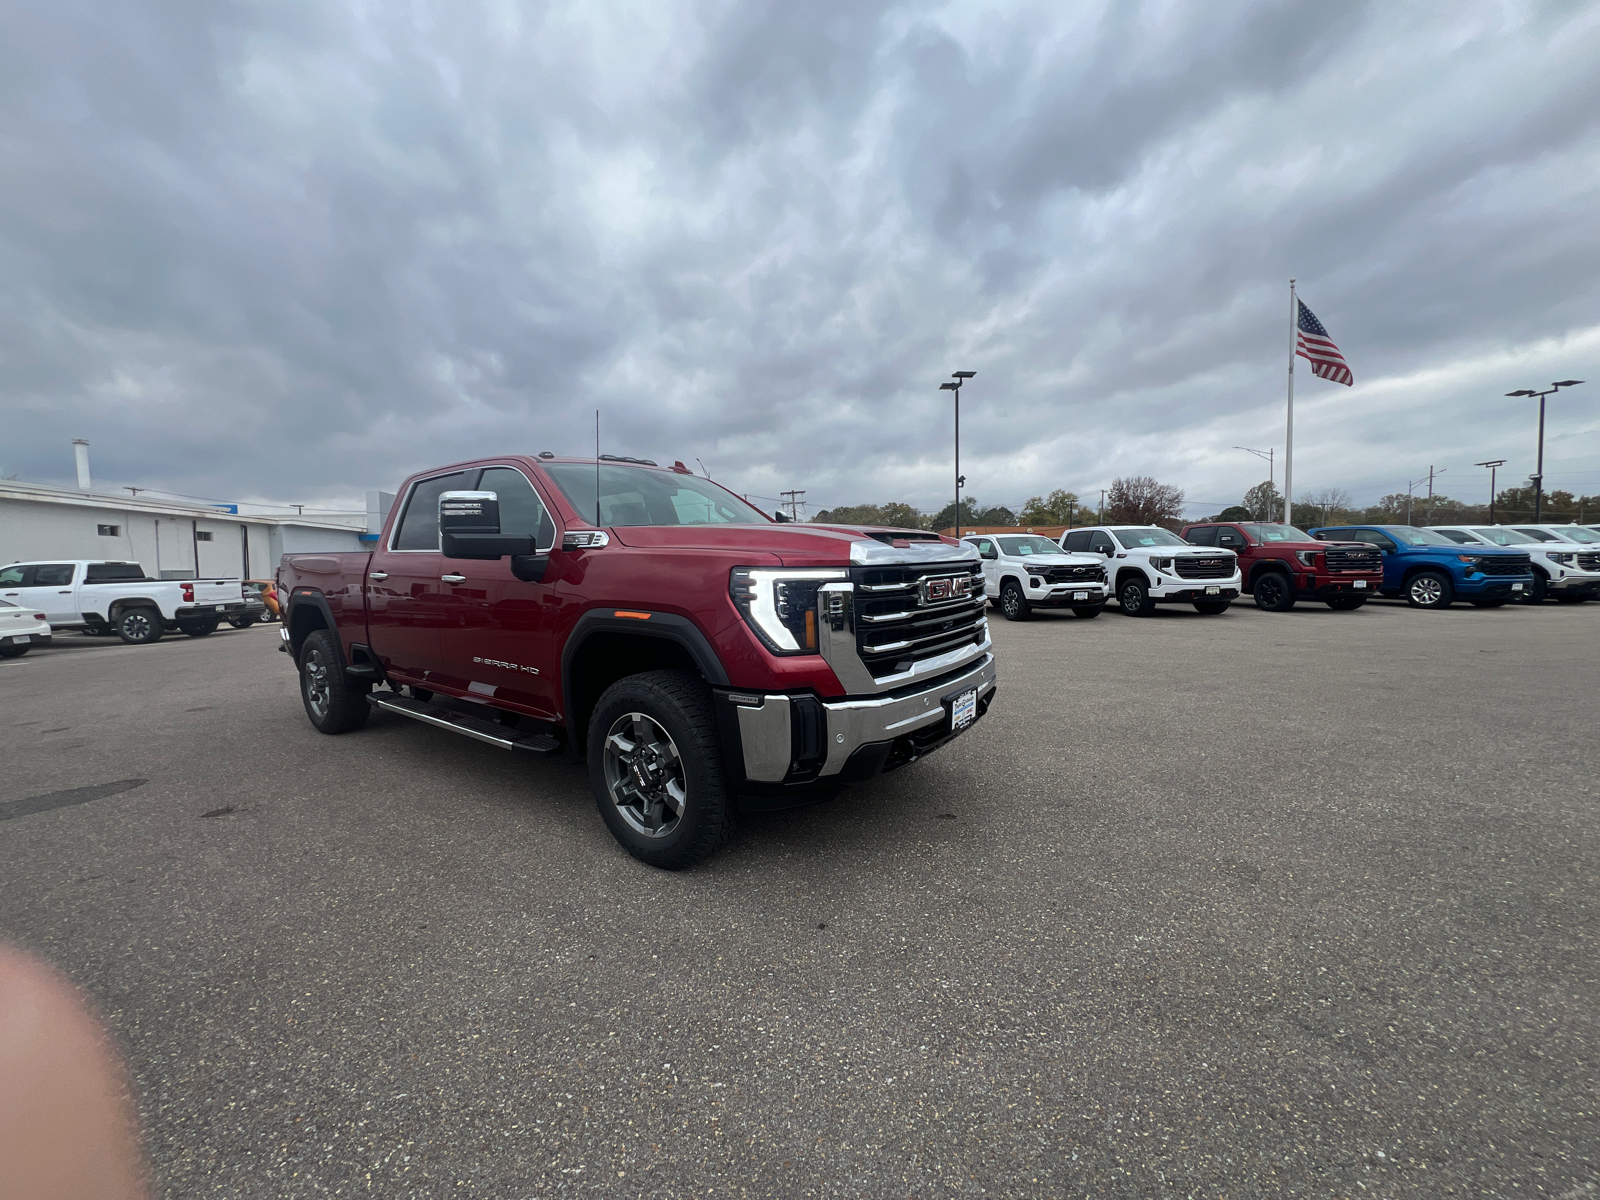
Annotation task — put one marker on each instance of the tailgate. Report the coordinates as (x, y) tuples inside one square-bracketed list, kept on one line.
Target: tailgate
[(224, 591)]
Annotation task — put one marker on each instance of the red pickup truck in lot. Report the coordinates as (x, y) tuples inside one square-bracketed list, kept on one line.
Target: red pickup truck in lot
[(699, 655), (1281, 564)]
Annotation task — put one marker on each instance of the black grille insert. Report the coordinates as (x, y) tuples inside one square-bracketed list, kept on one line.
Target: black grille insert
[(895, 629)]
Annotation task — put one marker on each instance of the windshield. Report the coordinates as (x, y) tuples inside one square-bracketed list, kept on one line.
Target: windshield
[(1277, 533), (1417, 537), (644, 496), (1577, 533), (1019, 546), (1502, 537), (1134, 538)]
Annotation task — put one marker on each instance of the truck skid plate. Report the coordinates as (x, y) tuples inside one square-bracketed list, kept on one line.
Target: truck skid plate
[(445, 717)]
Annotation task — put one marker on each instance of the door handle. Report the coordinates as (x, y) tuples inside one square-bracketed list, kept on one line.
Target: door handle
[(380, 576), (453, 578)]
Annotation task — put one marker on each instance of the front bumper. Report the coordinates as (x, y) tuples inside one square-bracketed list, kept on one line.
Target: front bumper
[(789, 740)]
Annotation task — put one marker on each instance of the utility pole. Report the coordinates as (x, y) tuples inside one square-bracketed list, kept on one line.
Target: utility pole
[(1492, 464), (796, 501)]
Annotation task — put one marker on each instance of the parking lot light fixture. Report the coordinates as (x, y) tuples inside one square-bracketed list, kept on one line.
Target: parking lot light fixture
[(1538, 473), (960, 377)]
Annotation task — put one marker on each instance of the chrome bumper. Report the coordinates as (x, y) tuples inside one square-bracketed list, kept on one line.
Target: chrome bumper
[(765, 725)]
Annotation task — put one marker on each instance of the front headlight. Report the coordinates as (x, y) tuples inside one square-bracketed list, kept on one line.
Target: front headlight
[(1470, 558), (780, 604), (1308, 558)]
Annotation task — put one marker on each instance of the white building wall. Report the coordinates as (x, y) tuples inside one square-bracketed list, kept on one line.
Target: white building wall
[(163, 542)]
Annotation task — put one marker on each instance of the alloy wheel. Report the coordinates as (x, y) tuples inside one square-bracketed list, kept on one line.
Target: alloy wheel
[(1427, 591), (644, 775), (318, 688)]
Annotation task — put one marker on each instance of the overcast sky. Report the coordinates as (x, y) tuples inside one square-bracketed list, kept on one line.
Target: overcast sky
[(297, 250)]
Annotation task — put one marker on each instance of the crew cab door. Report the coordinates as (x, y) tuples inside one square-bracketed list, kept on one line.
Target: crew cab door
[(405, 595), (51, 590), (498, 640)]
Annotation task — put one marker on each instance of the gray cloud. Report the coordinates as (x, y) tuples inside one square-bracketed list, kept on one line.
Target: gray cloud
[(257, 250)]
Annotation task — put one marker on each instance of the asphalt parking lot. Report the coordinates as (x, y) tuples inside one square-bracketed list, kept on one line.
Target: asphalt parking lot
[(1250, 905)]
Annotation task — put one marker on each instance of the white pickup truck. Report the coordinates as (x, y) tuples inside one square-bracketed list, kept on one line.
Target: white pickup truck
[(1022, 571), (99, 596), (1150, 566)]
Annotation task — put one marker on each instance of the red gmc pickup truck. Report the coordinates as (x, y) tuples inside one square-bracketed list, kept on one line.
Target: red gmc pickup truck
[(702, 657), (1281, 564)]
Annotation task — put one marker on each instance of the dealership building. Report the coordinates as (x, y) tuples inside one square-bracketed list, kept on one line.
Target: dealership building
[(173, 539)]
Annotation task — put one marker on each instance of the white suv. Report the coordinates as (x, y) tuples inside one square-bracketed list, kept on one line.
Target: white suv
[(1024, 570), (1566, 558), (1150, 566)]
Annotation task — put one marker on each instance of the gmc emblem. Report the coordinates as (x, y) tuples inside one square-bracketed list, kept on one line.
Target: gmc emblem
[(946, 588)]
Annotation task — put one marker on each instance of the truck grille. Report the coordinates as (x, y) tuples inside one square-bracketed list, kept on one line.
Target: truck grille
[(1369, 559), (1506, 564), (895, 628), (1192, 566), (1087, 573)]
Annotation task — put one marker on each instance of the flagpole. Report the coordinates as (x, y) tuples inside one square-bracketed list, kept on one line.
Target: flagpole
[(1288, 441)]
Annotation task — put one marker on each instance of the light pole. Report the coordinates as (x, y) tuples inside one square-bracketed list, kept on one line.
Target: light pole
[(1271, 470), (1538, 474), (1491, 464), (960, 377)]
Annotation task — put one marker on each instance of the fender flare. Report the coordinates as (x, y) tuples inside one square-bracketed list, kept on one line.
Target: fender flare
[(667, 626), (301, 597)]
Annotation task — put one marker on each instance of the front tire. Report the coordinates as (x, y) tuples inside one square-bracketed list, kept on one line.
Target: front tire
[(333, 701), (1430, 589), (656, 767), (140, 626), (1013, 603), (1274, 592), (1089, 614), (1134, 597)]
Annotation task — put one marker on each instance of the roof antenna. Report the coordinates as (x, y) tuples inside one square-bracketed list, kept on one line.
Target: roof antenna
[(597, 468)]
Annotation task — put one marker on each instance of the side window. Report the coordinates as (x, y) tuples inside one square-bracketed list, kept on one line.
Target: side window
[(1101, 543), (1206, 535), (14, 576), (419, 526), (52, 575), (1076, 542), (521, 511)]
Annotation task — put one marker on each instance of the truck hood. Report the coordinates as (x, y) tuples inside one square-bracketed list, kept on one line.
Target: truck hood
[(803, 545)]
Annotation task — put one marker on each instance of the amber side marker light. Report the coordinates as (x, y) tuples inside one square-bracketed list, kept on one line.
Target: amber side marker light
[(635, 616)]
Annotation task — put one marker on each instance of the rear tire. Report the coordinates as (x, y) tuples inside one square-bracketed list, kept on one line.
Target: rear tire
[(656, 767), (334, 702), (1274, 592), (1430, 589), (1134, 598), (1013, 603), (1088, 614), (140, 626), (1211, 608), (201, 628)]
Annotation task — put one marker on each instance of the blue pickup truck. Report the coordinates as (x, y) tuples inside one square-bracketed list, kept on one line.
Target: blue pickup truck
[(1431, 571)]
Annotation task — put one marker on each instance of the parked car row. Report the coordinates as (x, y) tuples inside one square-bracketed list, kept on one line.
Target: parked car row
[(101, 597), (1211, 564)]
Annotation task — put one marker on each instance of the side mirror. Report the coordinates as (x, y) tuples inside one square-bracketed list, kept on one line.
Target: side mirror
[(469, 527)]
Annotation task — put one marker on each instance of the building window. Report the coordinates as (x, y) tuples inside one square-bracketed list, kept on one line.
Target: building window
[(203, 536), (111, 531)]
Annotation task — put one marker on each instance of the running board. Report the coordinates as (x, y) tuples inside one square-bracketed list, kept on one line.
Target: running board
[(492, 732)]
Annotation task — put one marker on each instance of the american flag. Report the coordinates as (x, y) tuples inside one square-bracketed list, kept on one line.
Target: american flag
[(1314, 343)]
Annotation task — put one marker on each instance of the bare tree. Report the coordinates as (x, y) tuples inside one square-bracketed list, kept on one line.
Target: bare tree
[(1142, 500)]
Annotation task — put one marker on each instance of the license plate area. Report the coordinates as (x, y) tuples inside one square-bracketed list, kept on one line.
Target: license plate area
[(963, 709)]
